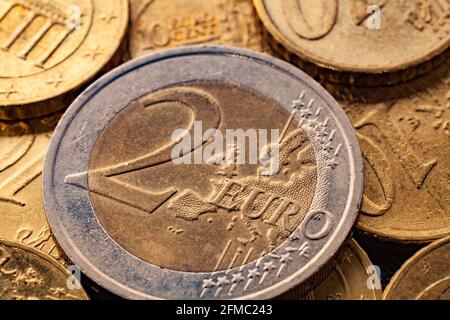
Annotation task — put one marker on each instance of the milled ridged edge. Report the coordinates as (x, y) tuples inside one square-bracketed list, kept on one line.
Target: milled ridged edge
[(327, 74)]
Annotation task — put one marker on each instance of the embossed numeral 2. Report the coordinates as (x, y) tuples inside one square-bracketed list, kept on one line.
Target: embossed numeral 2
[(103, 182)]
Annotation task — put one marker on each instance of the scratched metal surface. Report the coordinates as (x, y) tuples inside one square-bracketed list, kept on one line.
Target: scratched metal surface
[(86, 242)]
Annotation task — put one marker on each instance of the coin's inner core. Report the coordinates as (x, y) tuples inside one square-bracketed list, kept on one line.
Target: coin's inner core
[(208, 215)]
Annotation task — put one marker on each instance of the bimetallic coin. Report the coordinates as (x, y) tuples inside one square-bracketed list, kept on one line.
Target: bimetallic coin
[(23, 145), (360, 42), (353, 278), (404, 133), (146, 219), (161, 24), (425, 276), (29, 274), (49, 48)]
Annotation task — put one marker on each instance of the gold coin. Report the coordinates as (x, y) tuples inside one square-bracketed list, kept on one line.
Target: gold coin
[(404, 133), (353, 278), (360, 37), (23, 145), (50, 48), (425, 276), (160, 24), (29, 274)]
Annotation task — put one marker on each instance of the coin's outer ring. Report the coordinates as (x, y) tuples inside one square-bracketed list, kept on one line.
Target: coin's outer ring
[(71, 61), (41, 255), (387, 295), (326, 64), (53, 194)]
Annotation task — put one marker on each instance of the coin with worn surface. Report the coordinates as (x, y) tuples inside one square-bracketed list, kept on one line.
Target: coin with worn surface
[(23, 145), (404, 133), (161, 24), (360, 37), (28, 274), (329, 76), (51, 47), (144, 194), (353, 278), (425, 276)]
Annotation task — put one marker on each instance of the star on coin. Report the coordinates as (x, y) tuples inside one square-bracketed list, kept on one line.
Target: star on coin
[(286, 258), (253, 273), (305, 113), (299, 103), (208, 283), (9, 91), (332, 163), (269, 266), (56, 80), (94, 53), (222, 281), (328, 147), (237, 278)]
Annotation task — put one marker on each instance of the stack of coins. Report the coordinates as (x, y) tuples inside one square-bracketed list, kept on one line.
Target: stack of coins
[(206, 167)]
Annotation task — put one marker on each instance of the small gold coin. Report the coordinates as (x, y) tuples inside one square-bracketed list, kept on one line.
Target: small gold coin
[(425, 276), (29, 274), (404, 133), (23, 145), (161, 24), (353, 278), (49, 48), (358, 41)]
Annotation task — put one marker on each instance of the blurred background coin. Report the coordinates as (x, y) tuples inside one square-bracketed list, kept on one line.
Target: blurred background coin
[(28, 274), (425, 276), (162, 24), (23, 146), (360, 42), (49, 48), (144, 225), (353, 278), (404, 133)]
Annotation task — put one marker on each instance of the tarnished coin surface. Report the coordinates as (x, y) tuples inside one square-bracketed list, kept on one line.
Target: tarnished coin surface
[(426, 276), (146, 197), (353, 278), (23, 145), (404, 133), (162, 24), (28, 274), (360, 37), (51, 47)]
